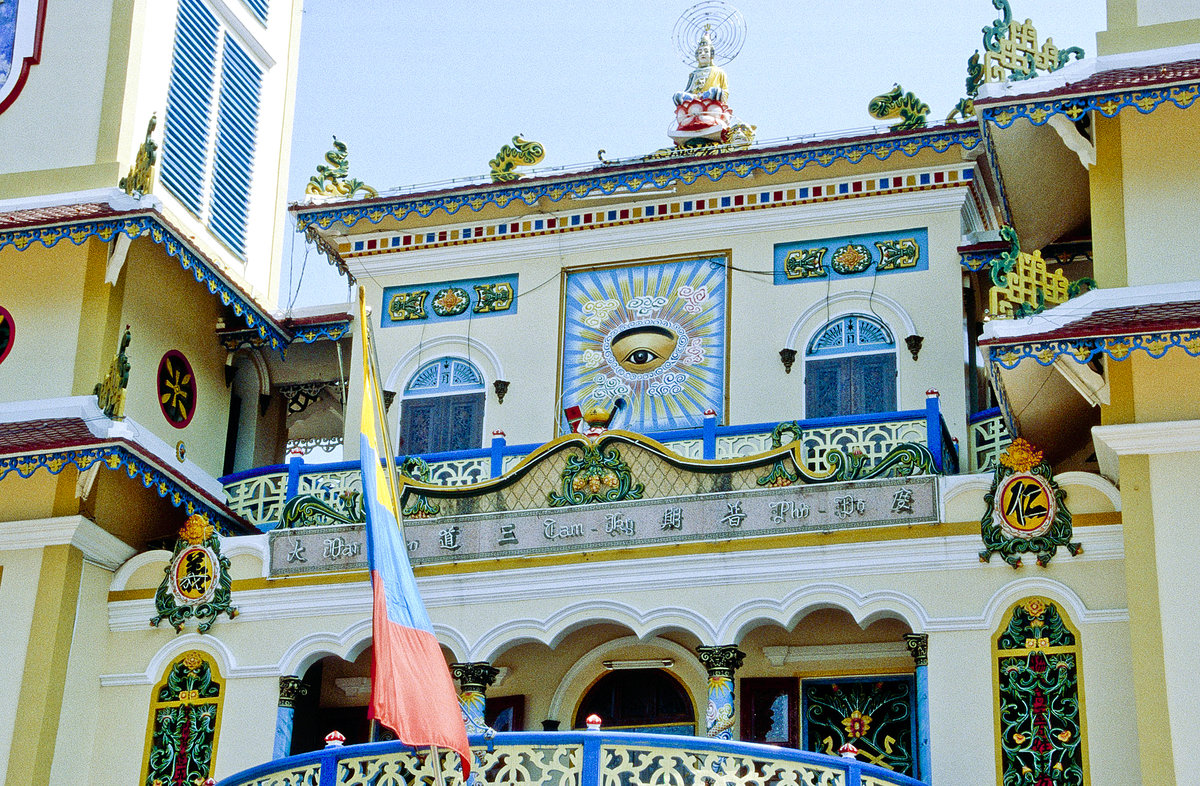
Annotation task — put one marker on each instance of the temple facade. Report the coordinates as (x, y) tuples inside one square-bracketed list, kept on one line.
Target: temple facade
[(874, 444)]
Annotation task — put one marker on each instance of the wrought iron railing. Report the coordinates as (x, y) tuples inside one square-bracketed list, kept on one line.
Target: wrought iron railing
[(989, 436), (572, 758), (259, 494)]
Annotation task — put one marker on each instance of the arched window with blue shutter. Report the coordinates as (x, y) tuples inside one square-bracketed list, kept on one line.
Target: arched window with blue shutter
[(442, 408), (850, 368)]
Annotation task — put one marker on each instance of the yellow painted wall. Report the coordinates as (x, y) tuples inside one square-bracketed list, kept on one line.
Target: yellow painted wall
[(18, 590), (1161, 176), (167, 309), (1136, 25), (43, 289)]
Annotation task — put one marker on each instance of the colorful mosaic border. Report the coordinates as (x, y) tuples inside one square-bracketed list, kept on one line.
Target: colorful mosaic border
[(1107, 104), (149, 225), (114, 457), (657, 178), (446, 301), (679, 207), (975, 261), (852, 256), (313, 333), (1083, 350)]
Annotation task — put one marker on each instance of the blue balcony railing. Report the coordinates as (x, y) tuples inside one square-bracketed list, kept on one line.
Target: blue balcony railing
[(259, 494), (572, 758)]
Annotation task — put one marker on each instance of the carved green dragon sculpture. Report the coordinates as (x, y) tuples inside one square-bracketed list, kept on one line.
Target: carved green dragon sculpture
[(521, 152), (911, 110), (334, 180)]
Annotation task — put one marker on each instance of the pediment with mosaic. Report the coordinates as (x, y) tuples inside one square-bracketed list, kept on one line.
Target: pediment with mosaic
[(1026, 509)]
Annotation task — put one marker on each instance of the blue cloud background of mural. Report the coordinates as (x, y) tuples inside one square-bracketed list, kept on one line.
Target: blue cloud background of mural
[(652, 334), (854, 256), (8, 37)]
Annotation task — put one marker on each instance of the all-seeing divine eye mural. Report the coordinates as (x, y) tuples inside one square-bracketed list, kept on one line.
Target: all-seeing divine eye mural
[(653, 335)]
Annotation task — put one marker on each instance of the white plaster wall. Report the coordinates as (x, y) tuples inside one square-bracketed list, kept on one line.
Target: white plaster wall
[(55, 121), (1176, 523), (1157, 12), (761, 315)]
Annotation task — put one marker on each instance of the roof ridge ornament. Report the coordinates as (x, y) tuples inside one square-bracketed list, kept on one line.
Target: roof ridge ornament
[(333, 180), (140, 179), (911, 110), (707, 35), (1011, 51), (522, 152)]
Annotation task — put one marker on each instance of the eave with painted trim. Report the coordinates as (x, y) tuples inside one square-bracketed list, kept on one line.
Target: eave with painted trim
[(76, 432), (643, 176), (1108, 84), (106, 220)]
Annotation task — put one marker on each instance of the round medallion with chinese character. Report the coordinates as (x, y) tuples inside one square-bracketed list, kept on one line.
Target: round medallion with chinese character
[(176, 389), (8, 333), (193, 575), (1025, 506)]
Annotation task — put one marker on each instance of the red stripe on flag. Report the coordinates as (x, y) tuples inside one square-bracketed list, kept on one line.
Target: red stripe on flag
[(411, 685)]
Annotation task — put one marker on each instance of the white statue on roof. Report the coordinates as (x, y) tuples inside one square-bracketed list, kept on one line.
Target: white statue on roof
[(707, 80), (712, 32)]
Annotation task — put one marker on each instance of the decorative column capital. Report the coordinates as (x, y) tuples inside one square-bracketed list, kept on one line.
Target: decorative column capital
[(722, 660), (290, 689), (474, 676), (918, 647)]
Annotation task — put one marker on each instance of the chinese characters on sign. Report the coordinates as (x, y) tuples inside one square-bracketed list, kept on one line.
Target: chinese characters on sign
[(757, 513)]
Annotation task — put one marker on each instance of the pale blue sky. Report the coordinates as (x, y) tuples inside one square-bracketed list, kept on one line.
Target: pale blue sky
[(424, 92)]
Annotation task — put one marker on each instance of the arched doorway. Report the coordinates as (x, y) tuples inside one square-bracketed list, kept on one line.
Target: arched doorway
[(850, 368), (650, 700)]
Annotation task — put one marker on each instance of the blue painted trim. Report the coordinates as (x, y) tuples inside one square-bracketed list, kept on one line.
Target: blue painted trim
[(329, 330), (933, 429), (710, 437), (636, 178), (294, 467), (116, 457), (1108, 104), (984, 415), (924, 757), (498, 445), (592, 743), (1083, 350), (150, 226)]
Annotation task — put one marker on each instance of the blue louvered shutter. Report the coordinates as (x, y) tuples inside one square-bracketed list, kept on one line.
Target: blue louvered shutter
[(237, 122), (259, 7), (189, 102)]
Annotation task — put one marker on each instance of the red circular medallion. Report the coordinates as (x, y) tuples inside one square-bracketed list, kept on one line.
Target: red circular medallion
[(176, 389), (8, 333)]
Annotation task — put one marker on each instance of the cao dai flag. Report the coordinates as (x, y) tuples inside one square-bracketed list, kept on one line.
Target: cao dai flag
[(412, 692)]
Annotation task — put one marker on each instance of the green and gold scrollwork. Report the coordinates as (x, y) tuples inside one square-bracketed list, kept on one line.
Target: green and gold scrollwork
[(521, 152), (493, 297), (595, 476), (333, 180), (184, 718), (805, 263), (421, 508), (140, 179), (450, 301), (408, 305), (905, 460), (1026, 509), (197, 583), (308, 510), (110, 391), (896, 254)]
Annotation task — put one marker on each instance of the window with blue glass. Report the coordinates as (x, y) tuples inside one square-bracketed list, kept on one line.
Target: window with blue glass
[(442, 408), (850, 368)]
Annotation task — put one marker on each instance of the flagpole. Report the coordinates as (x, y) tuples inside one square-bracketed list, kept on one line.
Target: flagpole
[(371, 362)]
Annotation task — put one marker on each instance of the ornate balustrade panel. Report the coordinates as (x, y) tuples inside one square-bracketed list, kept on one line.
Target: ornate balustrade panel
[(327, 485), (873, 440), (989, 437), (622, 765), (460, 472), (574, 759), (260, 499), (307, 775), (737, 445)]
